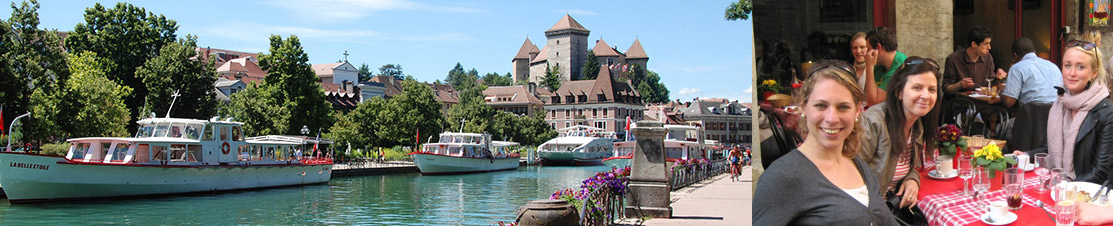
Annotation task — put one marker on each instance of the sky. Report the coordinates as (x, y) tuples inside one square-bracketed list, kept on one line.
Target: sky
[(690, 45)]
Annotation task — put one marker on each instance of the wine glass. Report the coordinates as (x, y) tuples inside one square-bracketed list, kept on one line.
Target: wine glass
[(965, 171), (981, 185), (1042, 171)]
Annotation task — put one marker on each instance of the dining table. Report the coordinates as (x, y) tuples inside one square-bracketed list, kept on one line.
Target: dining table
[(942, 202)]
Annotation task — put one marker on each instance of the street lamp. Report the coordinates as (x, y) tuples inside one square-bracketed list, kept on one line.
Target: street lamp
[(305, 130)]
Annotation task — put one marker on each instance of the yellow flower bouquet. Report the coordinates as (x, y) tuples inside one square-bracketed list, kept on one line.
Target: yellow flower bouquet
[(991, 158)]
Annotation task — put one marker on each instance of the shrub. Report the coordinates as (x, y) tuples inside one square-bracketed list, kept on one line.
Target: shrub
[(59, 149)]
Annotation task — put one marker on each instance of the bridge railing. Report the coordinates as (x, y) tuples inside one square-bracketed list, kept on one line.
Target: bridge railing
[(683, 175), (603, 206)]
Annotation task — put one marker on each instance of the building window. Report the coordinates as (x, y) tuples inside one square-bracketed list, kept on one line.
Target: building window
[(567, 124), (580, 113), (553, 125), (602, 98), (567, 114), (552, 114), (610, 61), (605, 112), (594, 112), (556, 100)]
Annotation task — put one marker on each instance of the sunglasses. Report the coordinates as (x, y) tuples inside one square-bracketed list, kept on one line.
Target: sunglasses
[(1082, 44), (917, 61), (826, 64)]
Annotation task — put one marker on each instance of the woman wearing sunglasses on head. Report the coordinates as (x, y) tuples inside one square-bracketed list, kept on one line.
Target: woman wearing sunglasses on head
[(893, 131), (1080, 122), (823, 182)]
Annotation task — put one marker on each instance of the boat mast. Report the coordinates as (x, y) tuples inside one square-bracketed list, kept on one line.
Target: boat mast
[(462, 121), (175, 95)]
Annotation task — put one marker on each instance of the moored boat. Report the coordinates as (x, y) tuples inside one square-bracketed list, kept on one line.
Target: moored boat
[(458, 153), (577, 145), (681, 143), (167, 156)]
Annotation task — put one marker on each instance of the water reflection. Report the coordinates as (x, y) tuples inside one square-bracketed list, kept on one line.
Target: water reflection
[(402, 199)]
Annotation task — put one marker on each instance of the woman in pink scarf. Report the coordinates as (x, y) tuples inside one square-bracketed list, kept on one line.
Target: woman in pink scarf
[(1080, 122)]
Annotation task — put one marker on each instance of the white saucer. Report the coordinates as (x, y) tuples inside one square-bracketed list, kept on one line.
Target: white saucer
[(1029, 167), (935, 175), (1009, 218)]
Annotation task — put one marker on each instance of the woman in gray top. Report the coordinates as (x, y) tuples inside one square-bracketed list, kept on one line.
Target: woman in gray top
[(823, 182)]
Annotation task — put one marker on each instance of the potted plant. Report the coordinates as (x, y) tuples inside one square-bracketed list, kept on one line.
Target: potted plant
[(990, 158), (768, 88), (950, 140)]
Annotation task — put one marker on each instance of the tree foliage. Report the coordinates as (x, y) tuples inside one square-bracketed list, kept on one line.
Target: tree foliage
[(398, 121), (494, 79), (31, 60), (128, 36), (357, 127), (460, 79), (293, 84), (260, 113), (89, 104), (651, 88), (365, 73), (173, 70), (740, 10), (394, 70), (591, 67), (552, 78)]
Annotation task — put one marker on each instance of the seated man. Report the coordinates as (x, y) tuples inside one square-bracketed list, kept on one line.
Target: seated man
[(969, 67), (1032, 79)]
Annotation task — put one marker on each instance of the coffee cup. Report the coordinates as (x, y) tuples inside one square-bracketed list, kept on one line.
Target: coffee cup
[(944, 164), (997, 209)]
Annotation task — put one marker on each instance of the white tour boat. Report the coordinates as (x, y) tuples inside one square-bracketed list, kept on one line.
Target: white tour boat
[(577, 145), (457, 153), (682, 142), (167, 156)]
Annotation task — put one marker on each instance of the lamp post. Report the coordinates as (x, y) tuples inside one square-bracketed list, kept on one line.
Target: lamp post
[(9, 147), (305, 130)]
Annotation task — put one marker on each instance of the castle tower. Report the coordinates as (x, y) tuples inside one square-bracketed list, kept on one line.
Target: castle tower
[(521, 61), (607, 55), (636, 55), (567, 47)]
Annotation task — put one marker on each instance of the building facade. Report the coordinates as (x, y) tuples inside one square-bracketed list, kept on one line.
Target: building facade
[(519, 100), (603, 103), (727, 122), (566, 47)]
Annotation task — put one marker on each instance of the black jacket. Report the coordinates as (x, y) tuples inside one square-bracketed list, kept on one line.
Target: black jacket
[(1093, 149)]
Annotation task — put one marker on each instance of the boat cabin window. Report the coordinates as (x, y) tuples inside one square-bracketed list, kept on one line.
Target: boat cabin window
[(674, 152), (224, 133), (455, 151), (161, 130), (158, 153), (236, 134), (79, 150), (208, 132), (120, 151), (175, 131), (191, 132), (145, 131)]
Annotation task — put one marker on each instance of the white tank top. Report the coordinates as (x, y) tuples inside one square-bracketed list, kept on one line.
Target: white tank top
[(861, 194)]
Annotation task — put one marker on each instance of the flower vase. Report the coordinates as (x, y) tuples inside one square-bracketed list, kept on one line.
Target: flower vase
[(765, 94), (996, 180)]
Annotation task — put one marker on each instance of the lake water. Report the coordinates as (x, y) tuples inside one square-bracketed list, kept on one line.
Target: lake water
[(400, 199)]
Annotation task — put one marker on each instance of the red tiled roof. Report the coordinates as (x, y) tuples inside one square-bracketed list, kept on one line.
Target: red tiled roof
[(603, 50), (542, 56), (518, 94), (635, 51), (325, 70), (566, 23), (206, 52), (243, 66), (527, 48)]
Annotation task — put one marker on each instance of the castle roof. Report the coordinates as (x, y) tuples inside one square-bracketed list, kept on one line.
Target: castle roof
[(527, 48), (635, 51), (567, 23), (603, 50), (517, 95), (542, 56), (604, 84)]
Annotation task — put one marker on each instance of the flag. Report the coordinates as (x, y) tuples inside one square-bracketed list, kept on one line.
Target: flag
[(627, 128), (418, 138), (2, 130), (315, 143)]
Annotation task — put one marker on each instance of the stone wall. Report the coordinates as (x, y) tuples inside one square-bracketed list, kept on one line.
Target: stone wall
[(924, 28)]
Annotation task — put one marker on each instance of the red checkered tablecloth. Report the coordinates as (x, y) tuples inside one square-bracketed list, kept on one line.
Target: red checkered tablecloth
[(942, 203)]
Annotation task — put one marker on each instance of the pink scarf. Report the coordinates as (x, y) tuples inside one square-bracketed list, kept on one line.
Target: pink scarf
[(1060, 140)]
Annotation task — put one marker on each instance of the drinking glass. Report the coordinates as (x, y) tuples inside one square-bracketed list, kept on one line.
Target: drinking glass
[(981, 185), (1014, 182), (1042, 171), (1060, 186), (1066, 212), (965, 171)]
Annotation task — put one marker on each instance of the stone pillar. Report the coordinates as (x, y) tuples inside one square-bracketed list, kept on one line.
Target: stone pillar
[(926, 29), (649, 188)]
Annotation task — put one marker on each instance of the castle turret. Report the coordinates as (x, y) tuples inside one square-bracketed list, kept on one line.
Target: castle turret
[(636, 55), (521, 61), (567, 46)]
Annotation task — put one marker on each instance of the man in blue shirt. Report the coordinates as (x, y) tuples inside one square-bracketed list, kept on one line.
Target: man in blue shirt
[(1032, 79)]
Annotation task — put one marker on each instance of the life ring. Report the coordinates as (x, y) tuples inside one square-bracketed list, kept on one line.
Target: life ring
[(225, 148)]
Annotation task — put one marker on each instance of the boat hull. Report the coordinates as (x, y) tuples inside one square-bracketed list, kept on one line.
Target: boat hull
[(434, 164), (35, 178), (617, 162), (565, 158)]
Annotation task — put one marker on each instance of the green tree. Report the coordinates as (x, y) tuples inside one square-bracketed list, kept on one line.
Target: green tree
[(392, 70), (260, 113), (31, 60), (740, 10), (534, 130), (457, 76), (494, 79), (652, 90), (357, 126), (128, 36), (591, 67), (398, 121), (173, 70), (91, 105), (294, 85), (552, 78), (365, 73)]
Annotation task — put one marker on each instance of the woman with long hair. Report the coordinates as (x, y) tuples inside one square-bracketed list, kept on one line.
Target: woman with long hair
[(1080, 122), (859, 47), (893, 138), (823, 182)]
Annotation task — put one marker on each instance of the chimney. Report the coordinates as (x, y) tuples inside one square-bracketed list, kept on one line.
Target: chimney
[(532, 88)]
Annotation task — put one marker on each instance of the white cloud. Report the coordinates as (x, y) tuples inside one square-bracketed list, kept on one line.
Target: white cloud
[(578, 12), (749, 90), (688, 91), (352, 9)]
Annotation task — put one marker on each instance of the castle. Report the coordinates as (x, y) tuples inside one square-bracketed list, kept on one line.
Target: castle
[(566, 47)]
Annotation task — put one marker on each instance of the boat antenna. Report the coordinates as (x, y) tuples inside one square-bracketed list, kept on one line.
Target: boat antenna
[(462, 121), (175, 95)]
